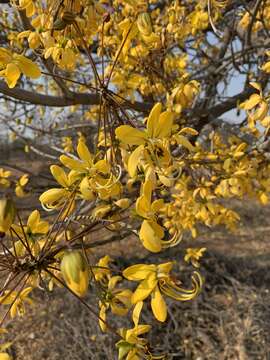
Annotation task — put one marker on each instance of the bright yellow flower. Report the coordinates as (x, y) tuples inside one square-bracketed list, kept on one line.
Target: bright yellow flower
[(7, 214), (151, 233), (159, 126), (152, 148), (94, 177), (4, 175), (193, 255), (17, 300), (28, 6), (55, 198), (21, 183), (118, 300), (156, 279), (133, 346), (256, 106), (14, 65), (34, 226), (102, 270)]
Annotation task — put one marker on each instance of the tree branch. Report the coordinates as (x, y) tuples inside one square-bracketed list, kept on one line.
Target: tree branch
[(58, 101), (202, 117)]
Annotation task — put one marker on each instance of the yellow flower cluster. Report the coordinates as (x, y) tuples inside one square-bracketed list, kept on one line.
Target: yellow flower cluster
[(150, 178)]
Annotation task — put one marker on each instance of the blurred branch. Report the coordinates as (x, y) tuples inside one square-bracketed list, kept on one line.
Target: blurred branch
[(253, 19)]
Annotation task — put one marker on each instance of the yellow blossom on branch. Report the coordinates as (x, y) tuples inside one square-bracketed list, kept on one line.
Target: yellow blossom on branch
[(155, 280), (13, 65)]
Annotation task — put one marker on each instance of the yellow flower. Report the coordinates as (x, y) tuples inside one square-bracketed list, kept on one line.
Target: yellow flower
[(118, 300), (146, 31), (94, 177), (4, 175), (14, 65), (132, 346), (123, 203), (17, 300), (21, 183), (55, 198), (129, 31), (64, 56), (144, 207), (28, 6), (156, 279), (7, 214), (144, 24), (256, 106), (159, 125), (67, 144), (193, 255), (33, 230), (102, 270), (34, 226), (151, 146), (151, 233)]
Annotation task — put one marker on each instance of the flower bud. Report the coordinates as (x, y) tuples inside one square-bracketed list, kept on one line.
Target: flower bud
[(75, 272), (144, 24), (123, 203), (123, 349), (7, 214), (53, 198)]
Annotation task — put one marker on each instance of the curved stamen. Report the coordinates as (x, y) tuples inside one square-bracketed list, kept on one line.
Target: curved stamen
[(181, 294), (110, 184), (175, 240)]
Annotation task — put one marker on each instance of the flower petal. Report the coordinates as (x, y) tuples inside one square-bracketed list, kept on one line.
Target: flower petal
[(158, 305), (59, 175), (144, 289), (12, 74), (27, 67), (153, 119), (151, 234), (138, 272), (130, 136)]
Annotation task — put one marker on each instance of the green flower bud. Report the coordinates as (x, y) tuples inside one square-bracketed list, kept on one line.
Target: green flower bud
[(75, 271), (123, 349)]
